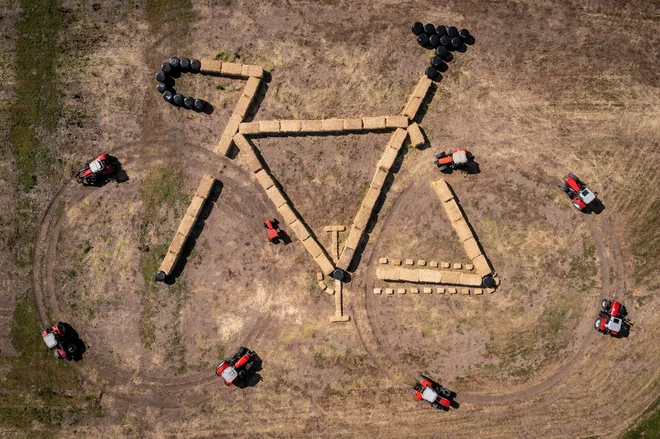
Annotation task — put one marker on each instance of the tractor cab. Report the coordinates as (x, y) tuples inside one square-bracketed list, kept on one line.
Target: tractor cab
[(229, 374), (96, 166), (429, 395), (453, 159), (614, 325)]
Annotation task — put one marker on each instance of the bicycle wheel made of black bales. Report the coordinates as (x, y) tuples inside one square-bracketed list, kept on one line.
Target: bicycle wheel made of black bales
[(160, 77), (177, 100), (441, 30), (437, 62), (442, 52), (452, 32), (175, 73), (429, 28), (188, 102), (457, 42), (166, 68), (445, 40), (184, 64), (464, 33), (434, 40), (199, 105), (161, 87), (195, 65), (431, 72), (175, 62), (423, 39), (168, 95), (417, 28)]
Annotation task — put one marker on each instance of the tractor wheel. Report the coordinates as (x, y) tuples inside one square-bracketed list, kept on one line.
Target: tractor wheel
[(574, 177), (195, 65), (61, 328), (564, 187), (597, 324), (605, 305), (469, 156), (418, 28), (184, 64), (441, 30), (444, 168)]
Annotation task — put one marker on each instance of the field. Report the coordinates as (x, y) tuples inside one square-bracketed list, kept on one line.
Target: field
[(546, 88)]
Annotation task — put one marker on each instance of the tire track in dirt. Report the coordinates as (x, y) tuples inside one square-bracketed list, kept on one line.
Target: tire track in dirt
[(373, 339)]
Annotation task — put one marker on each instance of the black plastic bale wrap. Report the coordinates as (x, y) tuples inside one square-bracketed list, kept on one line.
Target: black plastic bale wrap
[(434, 40), (160, 77), (195, 65), (199, 104), (452, 32), (441, 30), (177, 100), (184, 64), (429, 28), (437, 62), (457, 42), (417, 28), (175, 73), (423, 39), (431, 72), (166, 68), (188, 102), (174, 62), (168, 95), (161, 87), (488, 282), (169, 81), (441, 52), (464, 33), (445, 40)]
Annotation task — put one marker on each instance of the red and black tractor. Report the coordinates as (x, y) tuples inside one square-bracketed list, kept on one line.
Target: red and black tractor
[(239, 367), (62, 340), (459, 159), (612, 318), (580, 195), (98, 171), (425, 389), (274, 232)]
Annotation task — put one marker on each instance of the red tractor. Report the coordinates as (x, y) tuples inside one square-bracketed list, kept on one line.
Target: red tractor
[(425, 389), (98, 171), (580, 195), (611, 318), (58, 338), (454, 159), (274, 232), (238, 367)]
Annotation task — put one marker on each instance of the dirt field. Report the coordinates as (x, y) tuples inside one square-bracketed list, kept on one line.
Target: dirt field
[(547, 88)]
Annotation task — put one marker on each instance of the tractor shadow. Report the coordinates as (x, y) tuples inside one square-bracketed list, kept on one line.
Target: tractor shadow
[(596, 207), (72, 337), (196, 231), (625, 330), (472, 168), (254, 378)]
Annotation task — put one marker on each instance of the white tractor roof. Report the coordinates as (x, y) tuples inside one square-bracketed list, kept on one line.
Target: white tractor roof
[(50, 341), (587, 196), (429, 394), (96, 166), (460, 157), (229, 374), (614, 324)]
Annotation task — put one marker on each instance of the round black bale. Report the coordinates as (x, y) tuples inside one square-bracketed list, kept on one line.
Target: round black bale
[(457, 42), (184, 64), (434, 40), (177, 100), (166, 68), (452, 32), (168, 95), (437, 61), (445, 40), (431, 72), (429, 28), (188, 102), (423, 39), (160, 77), (488, 282), (464, 33), (442, 52), (175, 62), (161, 87), (417, 28), (160, 276), (441, 30), (195, 65), (199, 105)]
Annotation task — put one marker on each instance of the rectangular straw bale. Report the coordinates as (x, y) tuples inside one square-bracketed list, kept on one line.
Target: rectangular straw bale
[(388, 272), (332, 125), (195, 206), (232, 69), (241, 142), (346, 258), (290, 126), (186, 225), (353, 239), (287, 213), (210, 66), (416, 135), (269, 126), (324, 263), (481, 265), (396, 122), (397, 139), (451, 277), (370, 199), (408, 274), (248, 128), (362, 218), (462, 230), (353, 125), (412, 107), (299, 229), (242, 106), (275, 196), (264, 179), (177, 243), (442, 189), (205, 186), (227, 138), (312, 247), (250, 157), (423, 86), (453, 211), (471, 248), (388, 159), (311, 126), (169, 262), (430, 276), (374, 123), (379, 179), (251, 87), (471, 279), (256, 72)]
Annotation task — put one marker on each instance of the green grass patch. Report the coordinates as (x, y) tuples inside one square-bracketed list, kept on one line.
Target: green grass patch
[(648, 426), (646, 245)]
